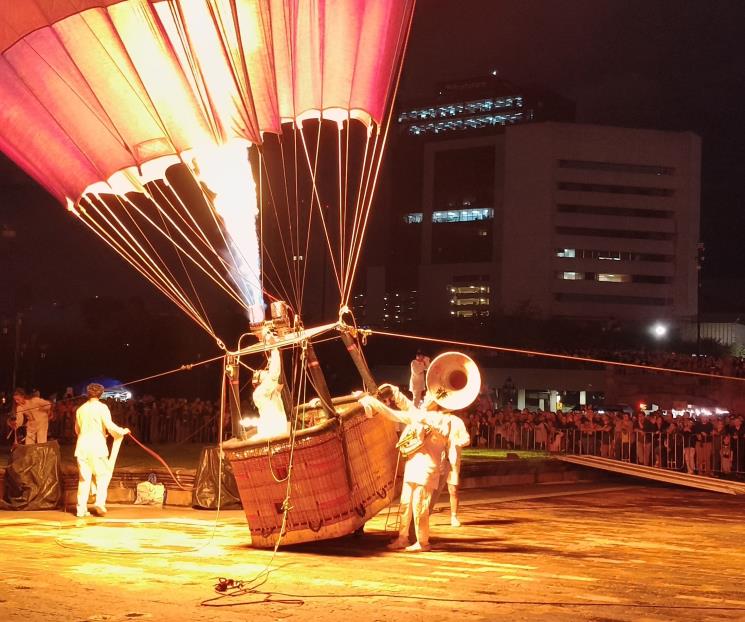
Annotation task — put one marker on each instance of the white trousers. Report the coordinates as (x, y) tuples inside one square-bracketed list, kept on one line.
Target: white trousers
[(88, 468), (415, 500), (38, 435)]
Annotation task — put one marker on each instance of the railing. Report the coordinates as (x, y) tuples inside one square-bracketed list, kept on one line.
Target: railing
[(673, 451), (155, 428)]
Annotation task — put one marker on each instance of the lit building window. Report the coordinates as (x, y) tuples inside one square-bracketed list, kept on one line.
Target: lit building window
[(610, 255), (413, 218), (568, 253), (606, 277), (463, 215), (571, 276)]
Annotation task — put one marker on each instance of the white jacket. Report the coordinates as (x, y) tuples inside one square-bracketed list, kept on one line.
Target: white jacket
[(92, 421)]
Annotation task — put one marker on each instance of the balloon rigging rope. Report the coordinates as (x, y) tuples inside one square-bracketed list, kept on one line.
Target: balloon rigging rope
[(140, 266)]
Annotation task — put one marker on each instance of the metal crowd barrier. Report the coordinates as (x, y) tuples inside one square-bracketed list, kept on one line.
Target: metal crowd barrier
[(674, 451)]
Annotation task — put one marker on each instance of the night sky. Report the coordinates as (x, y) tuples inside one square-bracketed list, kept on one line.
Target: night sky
[(673, 65)]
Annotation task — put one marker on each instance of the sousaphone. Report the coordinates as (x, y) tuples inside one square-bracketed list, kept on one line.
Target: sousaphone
[(453, 380)]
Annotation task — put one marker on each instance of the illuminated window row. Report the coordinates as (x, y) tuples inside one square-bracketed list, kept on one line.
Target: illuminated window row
[(604, 210), (470, 313), (463, 215), (459, 215), (478, 122), (617, 167), (615, 189), (469, 289), (612, 277), (469, 302), (581, 253), (461, 108)]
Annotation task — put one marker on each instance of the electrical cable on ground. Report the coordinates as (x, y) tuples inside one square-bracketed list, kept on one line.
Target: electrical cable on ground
[(228, 588)]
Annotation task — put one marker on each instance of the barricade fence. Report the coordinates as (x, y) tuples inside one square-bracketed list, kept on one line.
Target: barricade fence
[(713, 454), (718, 454)]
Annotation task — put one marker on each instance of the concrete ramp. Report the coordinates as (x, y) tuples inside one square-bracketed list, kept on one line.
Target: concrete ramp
[(657, 474)]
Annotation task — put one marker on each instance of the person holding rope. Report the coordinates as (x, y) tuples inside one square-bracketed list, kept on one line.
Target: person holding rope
[(92, 422)]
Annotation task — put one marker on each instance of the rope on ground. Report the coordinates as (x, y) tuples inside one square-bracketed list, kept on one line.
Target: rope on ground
[(566, 357)]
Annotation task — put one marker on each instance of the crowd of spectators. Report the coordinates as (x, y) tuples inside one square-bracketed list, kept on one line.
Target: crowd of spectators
[(151, 420), (705, 444)]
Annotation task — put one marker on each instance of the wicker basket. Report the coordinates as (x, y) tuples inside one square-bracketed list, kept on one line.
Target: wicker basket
[(343, 474)]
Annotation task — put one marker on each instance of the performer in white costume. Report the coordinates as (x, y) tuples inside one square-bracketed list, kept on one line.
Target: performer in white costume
[(34, 411), (422, 470), (457, 440), (92, 422), (267, 397), (418, 379)]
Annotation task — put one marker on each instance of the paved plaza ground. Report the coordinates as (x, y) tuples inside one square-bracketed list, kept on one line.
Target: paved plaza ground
[(601, 552)]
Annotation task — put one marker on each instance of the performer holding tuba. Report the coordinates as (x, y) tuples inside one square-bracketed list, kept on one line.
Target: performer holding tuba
[(426, 438)]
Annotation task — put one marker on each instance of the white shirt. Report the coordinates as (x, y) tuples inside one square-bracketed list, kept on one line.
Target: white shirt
[(92, 421)]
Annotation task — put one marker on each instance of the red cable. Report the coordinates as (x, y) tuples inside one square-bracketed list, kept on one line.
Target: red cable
[(159, 459)]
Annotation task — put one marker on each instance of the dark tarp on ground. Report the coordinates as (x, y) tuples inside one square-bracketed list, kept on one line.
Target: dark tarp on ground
[(205, 484), (32, 478)]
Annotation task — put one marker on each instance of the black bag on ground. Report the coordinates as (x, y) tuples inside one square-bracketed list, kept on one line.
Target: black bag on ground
[(32, 478), (205, 483)]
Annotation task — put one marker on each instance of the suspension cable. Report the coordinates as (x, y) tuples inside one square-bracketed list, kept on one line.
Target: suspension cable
[(566, 357)]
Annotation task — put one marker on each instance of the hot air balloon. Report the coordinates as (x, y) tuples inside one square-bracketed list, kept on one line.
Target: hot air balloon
[(193, 138)]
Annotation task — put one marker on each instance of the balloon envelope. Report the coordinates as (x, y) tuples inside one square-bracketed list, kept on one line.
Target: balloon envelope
[(92, 90)]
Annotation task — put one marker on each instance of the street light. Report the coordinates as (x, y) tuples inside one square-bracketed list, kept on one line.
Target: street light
[(659, 330)]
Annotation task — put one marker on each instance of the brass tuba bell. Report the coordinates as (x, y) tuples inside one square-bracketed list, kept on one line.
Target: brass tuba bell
[(453, 380)]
